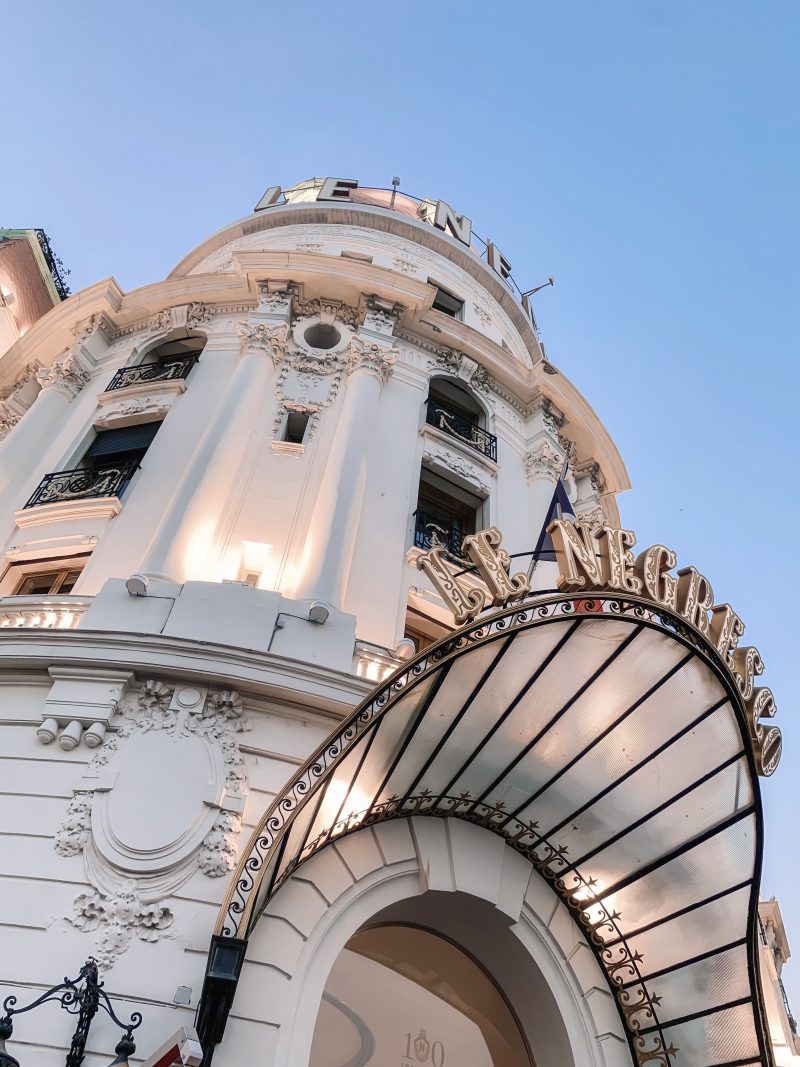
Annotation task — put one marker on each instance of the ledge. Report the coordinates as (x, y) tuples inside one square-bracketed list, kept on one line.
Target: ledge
[(98, 507), (171, 386)]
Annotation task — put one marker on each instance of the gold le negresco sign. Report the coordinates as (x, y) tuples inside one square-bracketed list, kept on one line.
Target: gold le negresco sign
[(596, 559)]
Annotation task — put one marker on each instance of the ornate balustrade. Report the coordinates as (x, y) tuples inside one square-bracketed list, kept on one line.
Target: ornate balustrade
[(42, 612), (167, 370), (430, 530), (84, 483), (455, 424)]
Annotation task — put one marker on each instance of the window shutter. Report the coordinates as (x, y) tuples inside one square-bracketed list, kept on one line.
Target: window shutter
[(125, 439)]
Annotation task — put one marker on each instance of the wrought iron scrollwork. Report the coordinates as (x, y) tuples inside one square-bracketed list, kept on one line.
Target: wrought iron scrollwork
[(83, 483), (430, 530), (83, 996), (162, 371), (462, 427)]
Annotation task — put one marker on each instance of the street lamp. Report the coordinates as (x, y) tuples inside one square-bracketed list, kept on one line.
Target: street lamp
[(81, 996)]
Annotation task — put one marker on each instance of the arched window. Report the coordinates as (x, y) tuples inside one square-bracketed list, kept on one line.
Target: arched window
[(401, 994), (454, 410), (172, 360)]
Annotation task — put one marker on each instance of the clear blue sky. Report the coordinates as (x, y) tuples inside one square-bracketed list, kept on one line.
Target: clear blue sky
[(644, 153)]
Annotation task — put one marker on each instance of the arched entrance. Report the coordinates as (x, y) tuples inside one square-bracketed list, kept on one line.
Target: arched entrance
[(603, 741)]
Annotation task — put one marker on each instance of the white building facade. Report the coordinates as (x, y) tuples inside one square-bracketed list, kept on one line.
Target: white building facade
[(239, 512)]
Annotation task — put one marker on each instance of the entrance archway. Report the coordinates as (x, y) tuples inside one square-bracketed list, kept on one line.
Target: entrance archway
[(463, 884), (604, 741)]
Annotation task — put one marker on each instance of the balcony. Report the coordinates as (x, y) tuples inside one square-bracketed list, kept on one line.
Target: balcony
[(459, 425), (430, 531), (84, 483), (162, 371)]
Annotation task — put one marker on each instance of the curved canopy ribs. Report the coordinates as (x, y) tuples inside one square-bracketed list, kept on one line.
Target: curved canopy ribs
[(601, 737)]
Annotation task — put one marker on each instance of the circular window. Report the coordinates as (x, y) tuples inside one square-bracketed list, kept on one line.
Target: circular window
[(402, 995), (322, 335)]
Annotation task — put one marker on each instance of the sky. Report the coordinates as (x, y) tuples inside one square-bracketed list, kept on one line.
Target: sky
[(643, 153)]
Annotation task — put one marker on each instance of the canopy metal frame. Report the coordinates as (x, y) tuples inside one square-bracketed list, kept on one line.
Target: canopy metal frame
[(290, 832)]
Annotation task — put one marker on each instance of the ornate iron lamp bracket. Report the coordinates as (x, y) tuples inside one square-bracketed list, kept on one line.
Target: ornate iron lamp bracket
[(82, 996)]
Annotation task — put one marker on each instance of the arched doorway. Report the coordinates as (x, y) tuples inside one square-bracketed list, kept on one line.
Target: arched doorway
[(403, 993)]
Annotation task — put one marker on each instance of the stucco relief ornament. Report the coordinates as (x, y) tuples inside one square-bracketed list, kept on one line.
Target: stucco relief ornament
[(405, 266), (65, 375), (330, 309), (372, 357), (455, 463), (86, 328), (159, 837), (544, 460), (483, 313), (198, 315), (379, 321), (74, 829), (8, 420), (264, 337), (274, 303), (118, 918), (592, 517), (161, 322)]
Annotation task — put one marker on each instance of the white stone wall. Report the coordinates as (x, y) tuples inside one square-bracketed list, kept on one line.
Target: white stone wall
[(131, 828)]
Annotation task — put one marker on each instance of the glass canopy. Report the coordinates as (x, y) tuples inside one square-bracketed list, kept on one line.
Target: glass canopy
[(603, 740)]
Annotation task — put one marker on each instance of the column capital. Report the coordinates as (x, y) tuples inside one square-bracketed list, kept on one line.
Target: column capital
[(269, 338), (66, 375), (544, 460), (84, 328), (369, 356)]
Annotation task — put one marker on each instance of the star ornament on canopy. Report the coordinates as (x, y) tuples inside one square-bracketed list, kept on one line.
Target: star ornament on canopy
[(610, 733)]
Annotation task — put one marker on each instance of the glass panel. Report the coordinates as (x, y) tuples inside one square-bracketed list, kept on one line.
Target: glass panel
[(38, 584), (724, 1037), (69, 582), (404, 996)]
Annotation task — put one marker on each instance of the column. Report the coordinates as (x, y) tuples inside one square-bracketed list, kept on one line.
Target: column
[(331, 539), (182, 545), (21, 448)]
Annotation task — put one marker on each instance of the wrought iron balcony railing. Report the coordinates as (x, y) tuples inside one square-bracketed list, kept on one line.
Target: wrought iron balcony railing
[(84, 483), (430, 530), (165, 371), (461, 427)]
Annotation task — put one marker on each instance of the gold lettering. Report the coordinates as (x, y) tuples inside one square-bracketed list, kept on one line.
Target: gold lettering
[(725, 630), (464, 603), (695, 597), (651, 567), (493, 564), (767, 742), (576, 555), (747, 663), (619, 559)]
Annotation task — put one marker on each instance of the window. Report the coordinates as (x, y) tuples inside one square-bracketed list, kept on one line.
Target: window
[(452, 409), (124, 446), (170, 361), (179, 348), (445, 513), (294, 429), (447, 303), (46, 582), (43, 577), (423, 630), (401, 994)]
